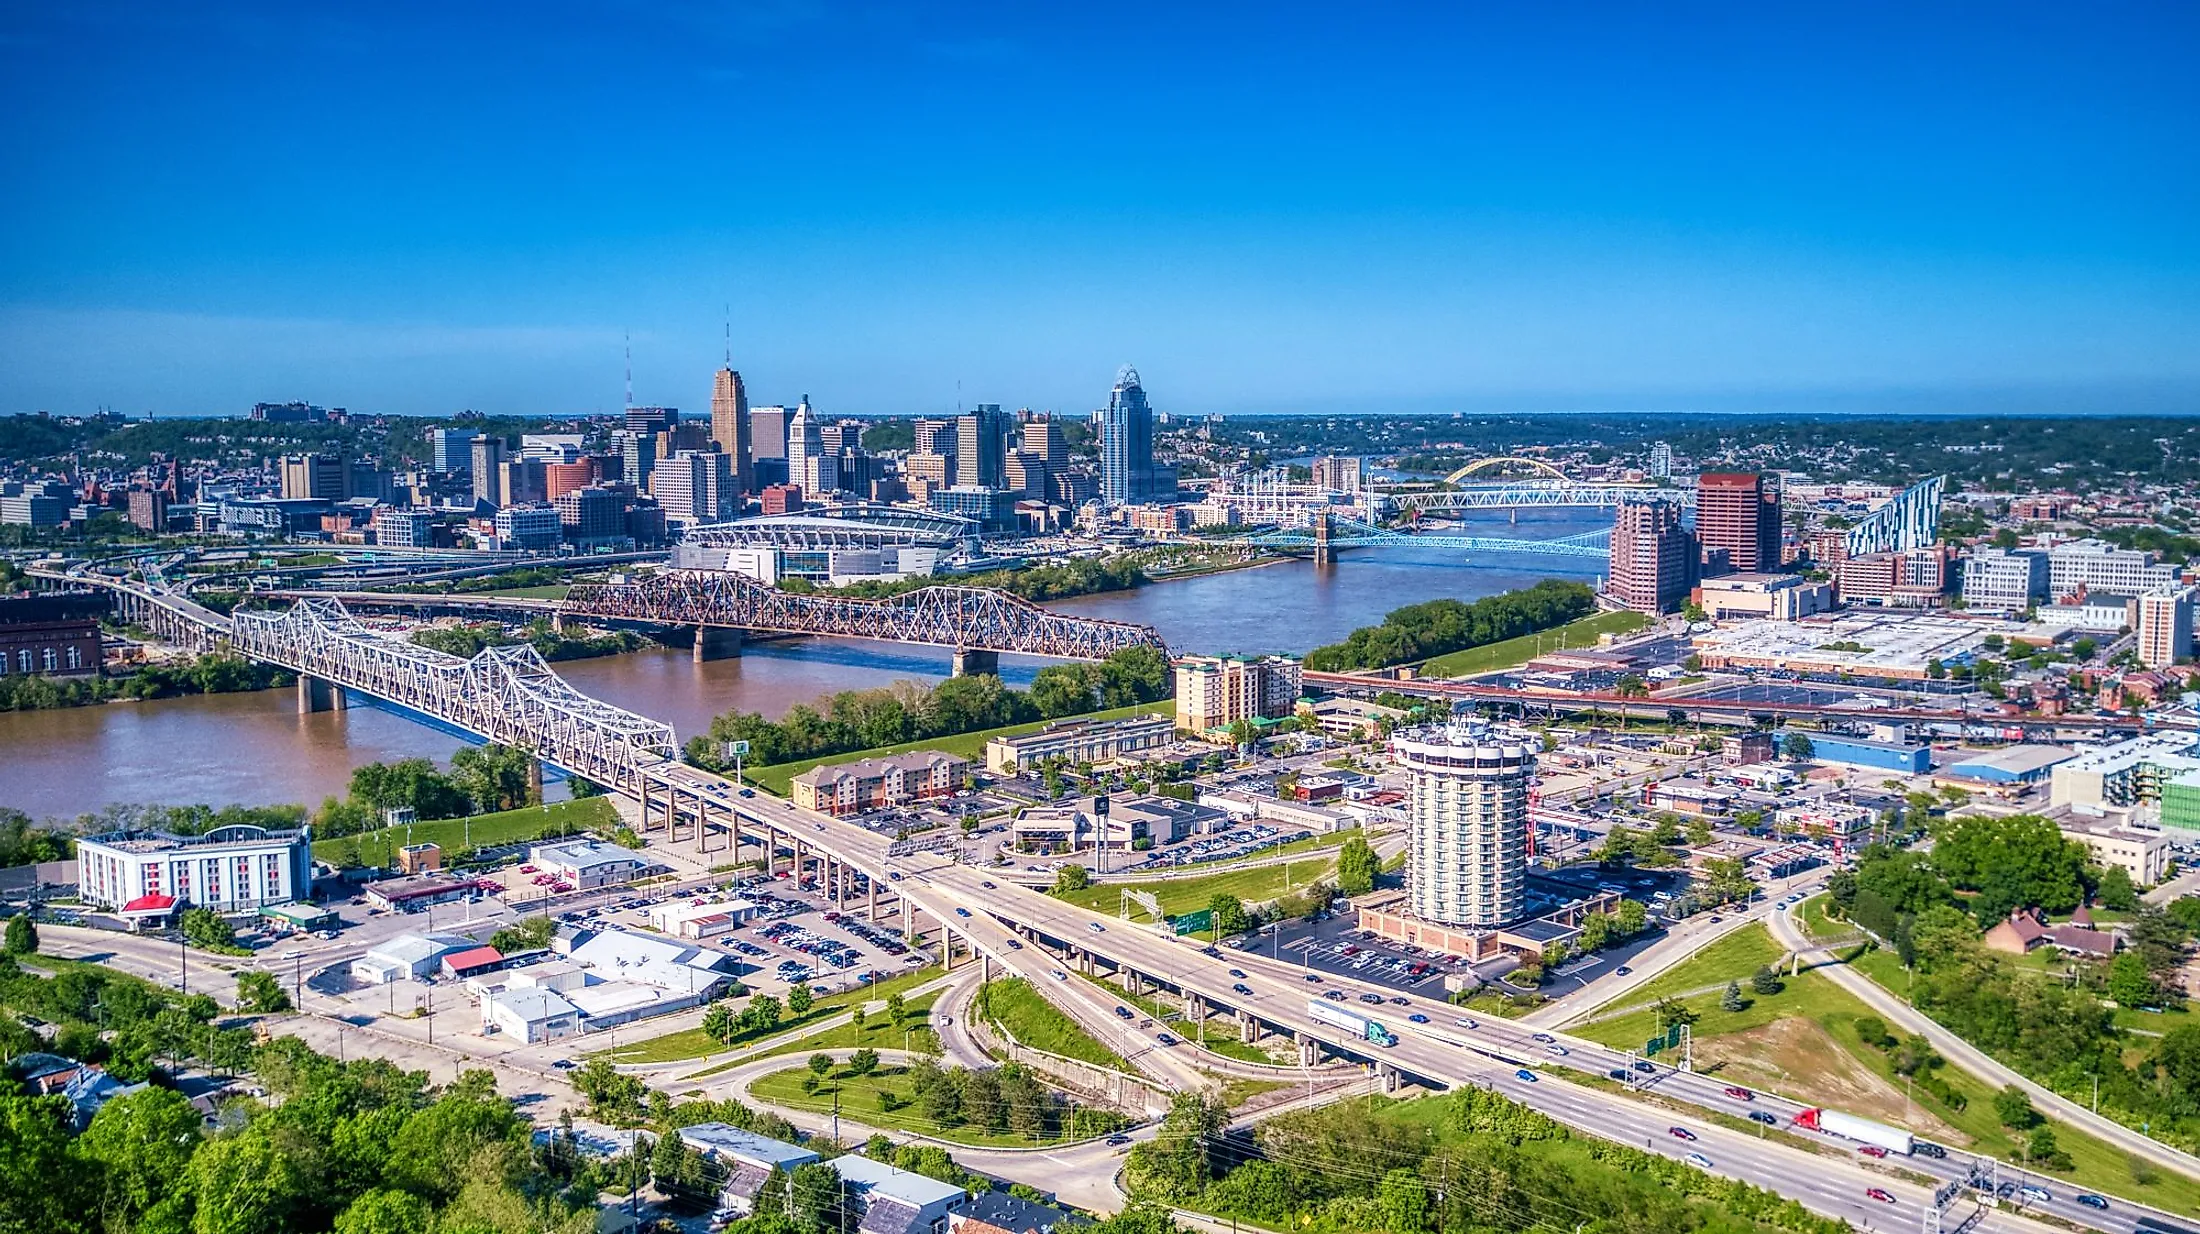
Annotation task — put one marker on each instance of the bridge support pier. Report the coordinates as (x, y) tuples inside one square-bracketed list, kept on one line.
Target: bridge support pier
[(534, 775), (1309, 1053), (716, 643), (871, 909), (969, 662), (1248, 1027), (1388, 1075), (315, 694), (1324, 555)]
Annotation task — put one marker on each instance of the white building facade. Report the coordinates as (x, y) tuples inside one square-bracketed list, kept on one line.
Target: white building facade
[(229, 869), (1467, 815)]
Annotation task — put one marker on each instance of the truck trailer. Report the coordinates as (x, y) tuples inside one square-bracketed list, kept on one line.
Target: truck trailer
[(1351, 1021), (1863, 1130)]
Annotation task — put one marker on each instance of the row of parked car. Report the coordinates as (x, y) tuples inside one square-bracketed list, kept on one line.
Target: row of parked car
[(885, 940), (809, 942)]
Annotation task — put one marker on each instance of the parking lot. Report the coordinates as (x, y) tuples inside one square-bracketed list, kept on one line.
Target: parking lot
[(793, 938)]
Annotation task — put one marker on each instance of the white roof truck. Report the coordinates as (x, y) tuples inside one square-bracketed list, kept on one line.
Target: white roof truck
[(1863, 1130), (1351, 1021)]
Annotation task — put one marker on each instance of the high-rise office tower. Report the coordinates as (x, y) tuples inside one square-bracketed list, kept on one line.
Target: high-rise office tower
[(729, 425), (809, 467), (650, 419), (1653, 557), (447, 449), (637, 457), (326, 477), (1126, 442), (934, 437), (767, 433), (1339, 473), (488, 455), (695, 486), (522, 481), (1467, 825), (1043, 440), (2165, 627), (1738, 521), (981, 446)]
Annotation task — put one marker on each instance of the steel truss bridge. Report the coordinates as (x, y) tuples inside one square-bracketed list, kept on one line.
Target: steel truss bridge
[(506, 694), (1342, 532), (1538, 494), (515, 698), (968, 619)]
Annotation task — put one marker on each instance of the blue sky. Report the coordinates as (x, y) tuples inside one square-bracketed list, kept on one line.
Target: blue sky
[(1266, 207)]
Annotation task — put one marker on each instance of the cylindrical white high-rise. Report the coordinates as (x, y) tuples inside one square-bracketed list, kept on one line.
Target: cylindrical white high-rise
[(1467, 806)]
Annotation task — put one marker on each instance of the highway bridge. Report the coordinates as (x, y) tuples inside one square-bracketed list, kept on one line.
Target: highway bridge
[(505, 695), (1326, 532), (1537, 494), (978, 623)]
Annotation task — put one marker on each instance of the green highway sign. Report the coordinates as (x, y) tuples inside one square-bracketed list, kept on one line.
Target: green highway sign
[(1193, 923)]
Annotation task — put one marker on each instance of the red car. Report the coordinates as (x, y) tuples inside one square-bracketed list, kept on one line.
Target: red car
[(1738, 1093), (1881, 1196), (1680, 1133), (1871, 1150)]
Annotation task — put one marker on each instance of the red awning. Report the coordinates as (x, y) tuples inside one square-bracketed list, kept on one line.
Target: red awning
[(154, 903)]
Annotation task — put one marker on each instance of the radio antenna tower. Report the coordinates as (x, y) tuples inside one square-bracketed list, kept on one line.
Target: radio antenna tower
[(729, 336), (630, 368)]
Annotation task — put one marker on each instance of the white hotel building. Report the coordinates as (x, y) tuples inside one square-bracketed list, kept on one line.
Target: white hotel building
[(229, 869)]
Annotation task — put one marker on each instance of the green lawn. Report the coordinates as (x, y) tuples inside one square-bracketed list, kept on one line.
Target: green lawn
[(1803, 1041), (1515, 651), (695, 1043), (777, 777), (1185, 895), (859, 1100), (378, 848), (1032, 1020), (1733, 958)]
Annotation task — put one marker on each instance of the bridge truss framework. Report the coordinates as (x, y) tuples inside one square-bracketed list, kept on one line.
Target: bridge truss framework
[(963, 618)]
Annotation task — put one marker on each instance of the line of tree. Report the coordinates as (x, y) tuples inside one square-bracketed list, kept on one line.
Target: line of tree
[(1080, 577), (905, 711), (1931, 910), (1438, 627), (204, 674), (1487, 1165), (467, 641), (482, 780)]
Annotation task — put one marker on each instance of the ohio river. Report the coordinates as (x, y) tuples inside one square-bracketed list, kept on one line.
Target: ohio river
[(256, 748)]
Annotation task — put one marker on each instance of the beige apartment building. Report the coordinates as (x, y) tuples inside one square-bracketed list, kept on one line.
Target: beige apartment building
[(1215, 692)]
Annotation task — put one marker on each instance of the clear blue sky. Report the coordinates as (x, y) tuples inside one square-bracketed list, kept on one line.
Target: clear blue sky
[(419, 208)]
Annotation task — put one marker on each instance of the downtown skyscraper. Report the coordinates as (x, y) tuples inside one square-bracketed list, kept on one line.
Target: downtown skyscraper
[(729, 426), (1126, 443), (1737, 523)]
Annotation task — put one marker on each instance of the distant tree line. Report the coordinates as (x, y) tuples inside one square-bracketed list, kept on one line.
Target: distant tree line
[(1438, 627), (205, 674), (904, 712)]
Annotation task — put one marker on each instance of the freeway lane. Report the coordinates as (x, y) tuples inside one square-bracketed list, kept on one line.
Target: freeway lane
[(1834, 1185)]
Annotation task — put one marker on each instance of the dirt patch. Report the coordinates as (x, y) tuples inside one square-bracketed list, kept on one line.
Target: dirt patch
[(1797, 1057)]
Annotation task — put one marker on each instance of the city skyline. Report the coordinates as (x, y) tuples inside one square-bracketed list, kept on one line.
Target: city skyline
[(1602, 211)]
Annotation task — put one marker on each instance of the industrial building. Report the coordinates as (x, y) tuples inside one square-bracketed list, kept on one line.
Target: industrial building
[(406, 957), (898, 1201), (588, 863), (1900, 757), (2010, 766), (1881, 643), (1769, 597)]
